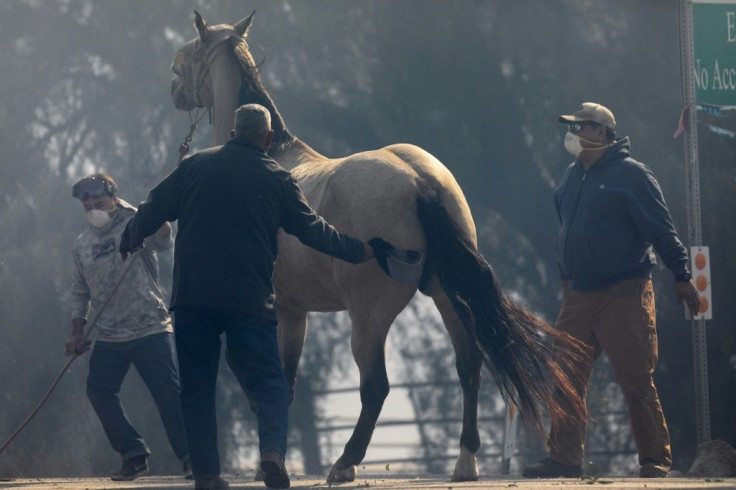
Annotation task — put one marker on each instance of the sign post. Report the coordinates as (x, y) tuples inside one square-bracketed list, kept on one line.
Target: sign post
[(509, 437), (708, 64)]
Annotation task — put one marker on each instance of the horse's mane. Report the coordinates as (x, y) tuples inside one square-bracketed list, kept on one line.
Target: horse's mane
[(250, 83)]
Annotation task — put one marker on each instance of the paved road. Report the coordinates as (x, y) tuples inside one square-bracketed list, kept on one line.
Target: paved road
[(377, 482)]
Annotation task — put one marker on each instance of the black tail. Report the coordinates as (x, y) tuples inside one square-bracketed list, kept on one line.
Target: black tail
[(529, 359)]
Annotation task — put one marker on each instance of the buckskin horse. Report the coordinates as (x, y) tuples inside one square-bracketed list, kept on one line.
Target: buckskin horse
[(406, 196)]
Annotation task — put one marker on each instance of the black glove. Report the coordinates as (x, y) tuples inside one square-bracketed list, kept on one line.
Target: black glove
[(125, 246), (380, 249), (399, 265)]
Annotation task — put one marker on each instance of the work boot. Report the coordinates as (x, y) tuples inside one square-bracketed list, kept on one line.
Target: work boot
[(215, 483), (653, 469), (132, 468), (272, 463), (549, 468)]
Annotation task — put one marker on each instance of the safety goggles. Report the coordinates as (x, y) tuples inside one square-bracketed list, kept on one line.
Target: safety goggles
[(92, 187), (576, 127)]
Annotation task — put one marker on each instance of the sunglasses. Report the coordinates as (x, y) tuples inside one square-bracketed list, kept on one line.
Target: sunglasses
[(92, 187), (576, 127)]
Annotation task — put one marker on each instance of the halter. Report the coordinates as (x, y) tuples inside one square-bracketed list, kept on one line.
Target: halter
[(205, 59), (193, 91), (193, 121)]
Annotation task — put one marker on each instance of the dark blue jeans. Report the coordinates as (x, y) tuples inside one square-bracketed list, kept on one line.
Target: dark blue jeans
[(253, 352), (153, 357)]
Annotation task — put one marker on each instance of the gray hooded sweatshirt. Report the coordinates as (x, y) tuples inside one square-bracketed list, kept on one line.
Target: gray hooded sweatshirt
[(137, 308)]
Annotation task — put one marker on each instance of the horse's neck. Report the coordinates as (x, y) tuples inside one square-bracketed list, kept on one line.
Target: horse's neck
[(293, 153), (223, 112), (286, 149)]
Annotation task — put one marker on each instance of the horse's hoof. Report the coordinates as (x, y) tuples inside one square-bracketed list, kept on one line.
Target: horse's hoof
[(461, 478), (345, 475), (260, 474), (466, 467)]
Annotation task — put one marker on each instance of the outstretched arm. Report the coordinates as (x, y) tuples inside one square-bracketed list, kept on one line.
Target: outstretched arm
[(312, 230)]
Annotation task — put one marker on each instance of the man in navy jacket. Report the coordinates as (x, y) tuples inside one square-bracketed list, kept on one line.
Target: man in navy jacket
[(612, 214), (230, 202)]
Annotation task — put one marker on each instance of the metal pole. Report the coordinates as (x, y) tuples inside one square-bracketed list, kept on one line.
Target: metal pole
[(509, 437), (700, 355)]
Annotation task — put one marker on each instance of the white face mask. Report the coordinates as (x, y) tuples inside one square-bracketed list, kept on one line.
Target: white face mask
[(572, 144), (99, 218)]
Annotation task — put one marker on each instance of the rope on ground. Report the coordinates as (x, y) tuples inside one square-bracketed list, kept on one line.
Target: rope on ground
[(73, 357), (183, 150)]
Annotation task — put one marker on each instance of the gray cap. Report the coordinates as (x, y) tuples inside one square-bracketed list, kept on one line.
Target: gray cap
[(590, 111)]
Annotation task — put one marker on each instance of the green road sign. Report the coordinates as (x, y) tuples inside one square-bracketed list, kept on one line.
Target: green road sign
[(714, 33)]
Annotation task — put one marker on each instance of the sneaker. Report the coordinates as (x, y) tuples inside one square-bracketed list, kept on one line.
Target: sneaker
[(549, 468), (653, 469), (132, 468), (186, 468), (215, 483), (272, 464)]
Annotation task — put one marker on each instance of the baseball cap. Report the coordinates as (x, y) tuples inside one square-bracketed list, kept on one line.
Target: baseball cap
[(590, 111)]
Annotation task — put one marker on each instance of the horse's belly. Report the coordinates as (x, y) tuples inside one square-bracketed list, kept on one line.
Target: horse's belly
[(303, 280)]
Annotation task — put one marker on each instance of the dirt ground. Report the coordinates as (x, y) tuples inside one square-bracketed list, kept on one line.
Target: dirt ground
[(376, 482)]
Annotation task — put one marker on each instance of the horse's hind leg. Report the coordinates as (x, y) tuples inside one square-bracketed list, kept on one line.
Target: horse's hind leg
[(468, 363)]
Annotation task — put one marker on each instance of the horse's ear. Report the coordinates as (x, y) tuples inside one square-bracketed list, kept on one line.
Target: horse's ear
[(201, 26), (243, 26)]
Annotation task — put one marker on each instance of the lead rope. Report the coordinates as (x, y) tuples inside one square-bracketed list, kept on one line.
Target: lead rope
[(183, 150), (193, 121), (73, 357)]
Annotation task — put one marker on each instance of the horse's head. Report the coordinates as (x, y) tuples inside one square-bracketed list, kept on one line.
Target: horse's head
[(190, 87)]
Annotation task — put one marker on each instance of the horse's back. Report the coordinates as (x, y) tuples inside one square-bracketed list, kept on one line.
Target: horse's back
[(374, 193), (368, 194)]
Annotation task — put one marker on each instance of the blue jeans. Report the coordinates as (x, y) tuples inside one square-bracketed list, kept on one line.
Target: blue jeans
[(253, 352), (153, 357)]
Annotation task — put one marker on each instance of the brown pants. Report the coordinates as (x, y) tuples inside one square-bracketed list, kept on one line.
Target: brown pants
[(620, 322)]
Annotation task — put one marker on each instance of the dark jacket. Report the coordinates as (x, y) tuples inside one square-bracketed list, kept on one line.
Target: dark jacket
[(611, 216), (231, 201)]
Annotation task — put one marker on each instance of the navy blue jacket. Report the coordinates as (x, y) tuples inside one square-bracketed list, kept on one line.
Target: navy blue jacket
[(611, 216), (231, 202)]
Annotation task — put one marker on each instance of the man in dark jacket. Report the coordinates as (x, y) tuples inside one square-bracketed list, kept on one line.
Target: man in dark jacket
[(612, 214), (230, 202)]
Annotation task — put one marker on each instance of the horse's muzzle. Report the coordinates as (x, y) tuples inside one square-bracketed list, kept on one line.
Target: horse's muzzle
[(179, 96)]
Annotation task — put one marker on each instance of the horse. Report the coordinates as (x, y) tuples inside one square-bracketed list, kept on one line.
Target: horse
[(406, 196)]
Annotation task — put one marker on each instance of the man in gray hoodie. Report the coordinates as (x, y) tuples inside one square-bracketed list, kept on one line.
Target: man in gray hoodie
[(134, 327)]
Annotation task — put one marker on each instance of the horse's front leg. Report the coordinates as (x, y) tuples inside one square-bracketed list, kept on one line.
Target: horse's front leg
[(368, 350), (292, 332)]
